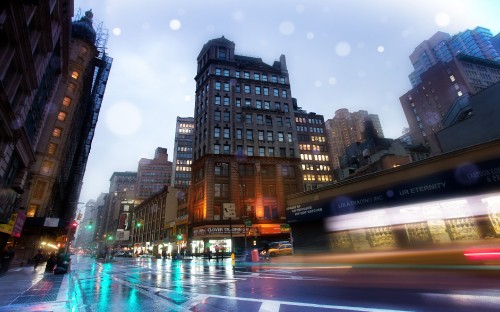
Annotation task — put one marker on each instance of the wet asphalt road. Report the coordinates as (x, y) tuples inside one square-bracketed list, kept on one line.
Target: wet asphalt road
[(144, 284)]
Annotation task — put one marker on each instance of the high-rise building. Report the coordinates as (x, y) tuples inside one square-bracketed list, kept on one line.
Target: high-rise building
[(153, 174), (347, 128), (245, 153), (313, 148), (62, 134), (442, 47), (183, 153), (116, 224), (442, 85), (31, 72)]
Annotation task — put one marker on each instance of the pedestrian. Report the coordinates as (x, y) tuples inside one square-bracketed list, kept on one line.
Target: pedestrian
[(217, 253), (37, 259), (51, 263), (6, 258)]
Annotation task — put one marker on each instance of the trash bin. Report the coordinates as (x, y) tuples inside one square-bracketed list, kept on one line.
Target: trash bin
[(255, 255)]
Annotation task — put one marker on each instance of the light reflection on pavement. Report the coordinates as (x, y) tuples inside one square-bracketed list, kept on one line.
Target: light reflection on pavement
[(199, 285)]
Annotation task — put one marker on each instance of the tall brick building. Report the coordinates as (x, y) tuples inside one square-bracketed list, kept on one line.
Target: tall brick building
[(245, 151)]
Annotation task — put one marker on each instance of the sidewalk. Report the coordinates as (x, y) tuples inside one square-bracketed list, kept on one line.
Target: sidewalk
[(24, 289)]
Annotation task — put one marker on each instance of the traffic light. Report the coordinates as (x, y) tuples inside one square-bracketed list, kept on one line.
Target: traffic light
[(179, 237), (90, 225), (138, 223), (110, 237)]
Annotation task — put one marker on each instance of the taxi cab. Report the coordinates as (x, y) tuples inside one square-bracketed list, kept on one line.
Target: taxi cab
[(282, 249)]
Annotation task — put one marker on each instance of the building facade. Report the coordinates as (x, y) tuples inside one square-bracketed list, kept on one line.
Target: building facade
[(347, 128), (33, 60), (440, 201), (316, 166), (183, 153), (442, 47), (245, 152), (119, 205), (153, 174), (442, 85)]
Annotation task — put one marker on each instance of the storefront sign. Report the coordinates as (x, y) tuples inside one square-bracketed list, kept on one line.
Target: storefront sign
[(464, 180)]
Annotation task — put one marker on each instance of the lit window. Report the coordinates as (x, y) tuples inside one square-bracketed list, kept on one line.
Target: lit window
[(66, 101), (61, 116), (459, 93), (74, 75), (31, 211), (452, 78), (46, 167), (52, 149), (56, 132)]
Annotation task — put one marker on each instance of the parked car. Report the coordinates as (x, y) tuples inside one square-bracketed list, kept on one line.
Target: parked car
[(282, 249)]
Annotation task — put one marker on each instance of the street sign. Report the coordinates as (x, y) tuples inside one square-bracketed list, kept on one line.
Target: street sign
[(248, 222), (229, 210)]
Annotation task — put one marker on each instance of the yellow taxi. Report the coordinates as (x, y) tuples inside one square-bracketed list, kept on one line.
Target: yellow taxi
[(282, 249)]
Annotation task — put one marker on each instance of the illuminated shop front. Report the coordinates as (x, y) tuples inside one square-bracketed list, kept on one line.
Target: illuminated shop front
[(208, 237), (447, 200)]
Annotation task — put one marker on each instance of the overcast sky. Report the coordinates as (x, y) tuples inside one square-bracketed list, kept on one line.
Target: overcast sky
[(340, 54)]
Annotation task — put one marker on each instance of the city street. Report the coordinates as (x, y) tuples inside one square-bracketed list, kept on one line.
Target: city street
[(146, 284)]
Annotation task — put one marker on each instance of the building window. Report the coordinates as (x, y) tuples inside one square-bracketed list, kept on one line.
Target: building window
[(221, 169), (71, 87), (258, 104), (237, 74), (239, 134), (283, 94), (217, 71), (238, 103), (282, 80), (248, 102), (270, 151), (247, 89), (216, 149), (222, 53), (227, 117), (227, 133), (248, 118), (281, 137), (46, 168), (260, 119), (262, 151), (261, 135), (31, 210), (221, 190), (56, 132), (256, 76), (226, 149), (218, 85), (257, 90), (249, 150), (217, 100), (285, 108), (216, 132), (276, 92), (238, 118), (226, 72), (226, 101), (217, 116), (267, 105), (264, 77), (226, 86), (52, 149), (249, 134), (246, 75), (269, 136), (66, 101), (266, 90), (274, 78), (61, 116)]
